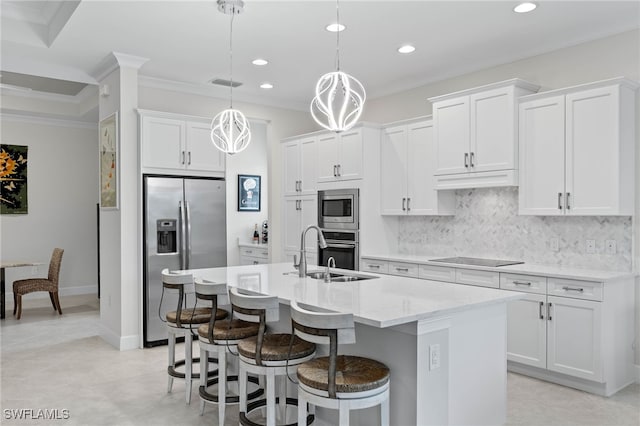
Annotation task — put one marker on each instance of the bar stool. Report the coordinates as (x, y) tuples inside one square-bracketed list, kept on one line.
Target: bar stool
[(220, 337), (179, 324), (268, 355), (338, 382)]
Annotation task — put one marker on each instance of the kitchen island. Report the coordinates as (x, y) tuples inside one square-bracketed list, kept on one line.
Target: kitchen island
[(445, 344)]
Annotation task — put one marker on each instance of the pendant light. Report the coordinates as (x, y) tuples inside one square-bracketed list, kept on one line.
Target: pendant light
[(340, 97), (230, 130)]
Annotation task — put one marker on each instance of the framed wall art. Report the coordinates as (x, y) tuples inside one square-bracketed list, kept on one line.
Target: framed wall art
[(13, 179), (248, 193), (109, 166)]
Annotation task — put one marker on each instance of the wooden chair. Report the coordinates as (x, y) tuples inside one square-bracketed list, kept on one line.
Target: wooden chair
[(180, 323), (270, 355), (338, 382), (220, 337), (30, 285)]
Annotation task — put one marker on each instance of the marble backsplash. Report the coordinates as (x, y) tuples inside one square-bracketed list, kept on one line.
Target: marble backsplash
[(486, 224)]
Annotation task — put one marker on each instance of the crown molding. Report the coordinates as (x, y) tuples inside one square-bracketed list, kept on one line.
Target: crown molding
[(115, 60), (42, 120)]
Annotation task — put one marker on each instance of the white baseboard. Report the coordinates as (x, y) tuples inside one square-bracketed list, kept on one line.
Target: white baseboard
[(64, 291), (122, 343)]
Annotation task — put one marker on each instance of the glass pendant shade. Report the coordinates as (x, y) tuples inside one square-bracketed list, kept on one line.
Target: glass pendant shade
[(230, 131), (339, 101)]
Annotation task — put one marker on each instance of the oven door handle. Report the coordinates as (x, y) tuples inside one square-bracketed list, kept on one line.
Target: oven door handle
[(341, 245)]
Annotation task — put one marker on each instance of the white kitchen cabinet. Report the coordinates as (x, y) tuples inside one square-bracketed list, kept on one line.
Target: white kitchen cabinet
[(476, 136), (298, 213), (407, 166), (176, 144), (574, 337), (527, 330), (340, 156), (254, 255), (299, 166), (577, 150)]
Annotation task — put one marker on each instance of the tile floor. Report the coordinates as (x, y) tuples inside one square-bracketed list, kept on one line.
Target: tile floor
[(59, 362)]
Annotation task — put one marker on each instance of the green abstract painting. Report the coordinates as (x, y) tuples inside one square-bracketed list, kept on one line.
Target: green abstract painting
[(13, 178)]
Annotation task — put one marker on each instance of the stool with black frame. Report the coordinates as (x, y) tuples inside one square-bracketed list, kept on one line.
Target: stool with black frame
[(179, 324)]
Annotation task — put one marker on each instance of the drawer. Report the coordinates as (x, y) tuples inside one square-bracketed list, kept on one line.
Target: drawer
[(246, 260), (437, 273), (254, 252), (576, 289), (479, 278), (403, 269), (377, 266), (523, 283)]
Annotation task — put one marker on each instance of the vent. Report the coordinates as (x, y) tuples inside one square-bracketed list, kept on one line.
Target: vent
[(225, 83)]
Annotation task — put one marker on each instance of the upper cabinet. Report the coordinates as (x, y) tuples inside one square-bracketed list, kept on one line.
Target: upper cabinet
[(577, 150), (340, 156), (475, 133), (299, 166), (407, 165), (175, 144)]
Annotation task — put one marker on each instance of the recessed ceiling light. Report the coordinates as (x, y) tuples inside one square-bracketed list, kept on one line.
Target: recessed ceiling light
[(525, 7), (407, 48), (266, 86), (334, 28), (259, 62)]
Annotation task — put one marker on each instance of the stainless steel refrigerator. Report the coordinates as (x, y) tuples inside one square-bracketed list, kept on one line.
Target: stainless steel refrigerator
[(184, 228)]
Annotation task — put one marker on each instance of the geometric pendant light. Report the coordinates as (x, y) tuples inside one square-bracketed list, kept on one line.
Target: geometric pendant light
[(230, 130), (339, 97)]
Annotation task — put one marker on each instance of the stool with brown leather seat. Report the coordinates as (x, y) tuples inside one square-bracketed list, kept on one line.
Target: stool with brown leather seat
[(180, 324), (220, 337), (269, 355), (338, 382)]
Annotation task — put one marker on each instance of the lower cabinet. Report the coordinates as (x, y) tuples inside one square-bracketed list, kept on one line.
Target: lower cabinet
[(561, 334), (254, 255)]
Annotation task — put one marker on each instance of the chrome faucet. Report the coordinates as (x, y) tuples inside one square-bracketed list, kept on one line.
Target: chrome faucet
[(302, 266), (327, 272)]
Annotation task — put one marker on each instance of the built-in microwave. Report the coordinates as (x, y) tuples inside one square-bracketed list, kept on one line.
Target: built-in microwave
[(339, 209)]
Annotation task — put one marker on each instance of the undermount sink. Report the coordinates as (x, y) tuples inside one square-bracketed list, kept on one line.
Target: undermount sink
[(339, 278)]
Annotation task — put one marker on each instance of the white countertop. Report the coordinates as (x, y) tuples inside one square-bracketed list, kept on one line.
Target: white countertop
[(383, 301), (523, 268)]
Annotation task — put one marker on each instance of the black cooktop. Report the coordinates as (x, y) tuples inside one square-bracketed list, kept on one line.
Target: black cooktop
[(477, 261)]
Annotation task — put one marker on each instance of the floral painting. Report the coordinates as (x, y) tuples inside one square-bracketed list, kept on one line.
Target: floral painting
[(13, 178), (109, 162)]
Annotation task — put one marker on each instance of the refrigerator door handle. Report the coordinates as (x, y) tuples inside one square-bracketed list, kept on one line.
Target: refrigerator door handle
[(182, 236), (188, 238)]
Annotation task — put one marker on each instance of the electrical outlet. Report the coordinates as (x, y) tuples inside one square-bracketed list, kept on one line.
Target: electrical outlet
[(434, 356), (610, 246), (591, 246), (554, 245)]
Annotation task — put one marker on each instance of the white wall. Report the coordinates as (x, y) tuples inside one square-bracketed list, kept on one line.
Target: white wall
[(62, 191), (253, 162)]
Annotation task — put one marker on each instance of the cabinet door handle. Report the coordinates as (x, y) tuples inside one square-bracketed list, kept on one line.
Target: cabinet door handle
[(404, 200), (567, 203), (522, 283), (300, 185), (249, 251), (540, 310), (297, 204), (559, 200), (466, 159), (549, 311), (189, 162), (402, 269), (580, 290), (339, 171), (335, 170), (255, 262), (408, 201), (374, 266), (471, 159), (182, 157)]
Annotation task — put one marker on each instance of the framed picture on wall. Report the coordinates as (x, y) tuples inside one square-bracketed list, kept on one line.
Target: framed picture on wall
[(109, 162), (248, 193), (13, 179)]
